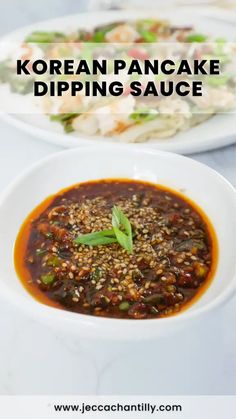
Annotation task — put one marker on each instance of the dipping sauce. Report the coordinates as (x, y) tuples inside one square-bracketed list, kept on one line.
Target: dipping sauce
[(170, 261)]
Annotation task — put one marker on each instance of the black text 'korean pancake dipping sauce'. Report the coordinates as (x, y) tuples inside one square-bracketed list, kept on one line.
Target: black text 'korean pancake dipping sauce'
[(117, 248)]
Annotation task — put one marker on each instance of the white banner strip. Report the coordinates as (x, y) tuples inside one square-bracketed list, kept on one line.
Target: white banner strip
[(180, 407)]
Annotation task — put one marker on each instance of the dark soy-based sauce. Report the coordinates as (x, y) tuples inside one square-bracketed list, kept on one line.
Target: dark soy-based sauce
[(173, 260)]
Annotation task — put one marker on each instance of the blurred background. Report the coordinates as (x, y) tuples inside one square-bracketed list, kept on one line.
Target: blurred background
[(17, 13)]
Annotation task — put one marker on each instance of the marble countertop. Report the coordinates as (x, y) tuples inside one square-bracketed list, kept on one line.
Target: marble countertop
[(35, 359)]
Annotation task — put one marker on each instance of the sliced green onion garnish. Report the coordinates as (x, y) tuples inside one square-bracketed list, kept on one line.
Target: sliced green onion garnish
[(47, 279), (196, 37), (124, 236), (120, 233), (148, 36), (40, 37), (143, 115), (97, 238), (124, 306)]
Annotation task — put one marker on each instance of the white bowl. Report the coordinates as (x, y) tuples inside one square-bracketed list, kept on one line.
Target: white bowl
[(208, 189)]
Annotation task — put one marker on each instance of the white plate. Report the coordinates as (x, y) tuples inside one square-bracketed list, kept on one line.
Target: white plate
[(219, 131)]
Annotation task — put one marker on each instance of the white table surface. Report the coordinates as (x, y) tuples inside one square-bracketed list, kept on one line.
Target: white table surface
[(37, 360), (33, 358)]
